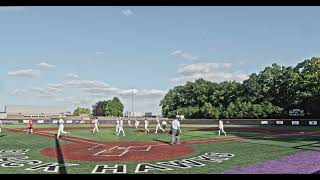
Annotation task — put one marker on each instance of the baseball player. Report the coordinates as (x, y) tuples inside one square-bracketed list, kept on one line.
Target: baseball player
[(61, 128), (96, 124), (146, 123), (158, 125), (164, 124), (117, 126), (1, 126), (137, 122), (221, 127), (129, 122), (121, 127), (30, 127)]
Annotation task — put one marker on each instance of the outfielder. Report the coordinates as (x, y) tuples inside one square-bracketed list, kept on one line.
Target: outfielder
[(221, 127), (1, 126), (129, 122), (30, 127), (146, 123), (158, 125), (137, 122), (96, 124), (61, 128), (121, 127), (117, 126)]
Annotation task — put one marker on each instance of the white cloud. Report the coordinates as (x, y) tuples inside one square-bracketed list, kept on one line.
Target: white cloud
[(99, 52), (18, 92), (215, 77), (184, 55), (46, 65), (202, 68), (25, 73), (12, 8), (72, 76), (127, 12), (41, 92), (86, 84)]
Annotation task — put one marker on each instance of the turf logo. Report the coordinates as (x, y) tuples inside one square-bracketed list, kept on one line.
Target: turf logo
[(192, 162)]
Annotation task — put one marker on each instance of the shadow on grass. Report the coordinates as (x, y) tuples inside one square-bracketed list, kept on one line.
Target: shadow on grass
[(62, 168), (3, 135), (166, 142)]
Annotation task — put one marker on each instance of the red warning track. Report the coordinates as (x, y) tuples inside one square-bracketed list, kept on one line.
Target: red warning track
[(90, 150)]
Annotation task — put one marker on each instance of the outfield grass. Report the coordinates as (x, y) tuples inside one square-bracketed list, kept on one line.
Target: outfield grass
[(248, 151)]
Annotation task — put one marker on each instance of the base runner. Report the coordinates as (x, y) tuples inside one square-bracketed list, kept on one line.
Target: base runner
[(121, 128), (96, 124), (30, 127), (158, 125), (146, 123), (221, 127), (1, 126), (61, 128)]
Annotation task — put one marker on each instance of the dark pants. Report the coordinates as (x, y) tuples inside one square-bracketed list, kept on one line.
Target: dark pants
[(174, 137)]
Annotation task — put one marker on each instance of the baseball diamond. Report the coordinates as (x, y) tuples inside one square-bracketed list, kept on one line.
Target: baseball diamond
[(245, 149)]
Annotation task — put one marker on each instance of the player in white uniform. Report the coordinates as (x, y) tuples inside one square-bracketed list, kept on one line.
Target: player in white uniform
[(121, 127), (129, 122), (1, 126), (61, 128), (158, 125), (146, 123), (117, 126), (221, 127), (96, 124), (137, 123), (164, 124)]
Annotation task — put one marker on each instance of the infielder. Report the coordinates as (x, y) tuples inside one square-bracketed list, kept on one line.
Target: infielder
[(221, 127), (121, 127), (146, 123), (137, 122), (61, 128), (158, 125), (96, 124), (1, 126), (30, 127), (117, 126)]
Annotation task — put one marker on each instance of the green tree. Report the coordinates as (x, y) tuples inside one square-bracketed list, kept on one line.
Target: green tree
[(114, 107), (80, 110)]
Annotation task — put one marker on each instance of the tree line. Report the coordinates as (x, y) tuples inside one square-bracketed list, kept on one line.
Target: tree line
[(113, 107), (269, 94)]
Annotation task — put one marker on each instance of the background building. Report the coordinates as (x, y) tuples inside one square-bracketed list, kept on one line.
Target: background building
[(34, 112)]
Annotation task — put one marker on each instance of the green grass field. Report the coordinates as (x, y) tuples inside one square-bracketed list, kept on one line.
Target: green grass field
[(251, 149)]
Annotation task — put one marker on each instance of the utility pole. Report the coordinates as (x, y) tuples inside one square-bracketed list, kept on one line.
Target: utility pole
[(132, 104)]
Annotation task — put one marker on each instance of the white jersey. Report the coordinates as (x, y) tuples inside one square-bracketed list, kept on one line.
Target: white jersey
[(146, 122), (1, 123), (121, 123), (164, 123), (220, 124), (61, 122), (175, 124), (96, 121), (158, 121)]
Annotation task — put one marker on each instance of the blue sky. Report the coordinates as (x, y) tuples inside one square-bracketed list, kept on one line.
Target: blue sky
[(74, 56)]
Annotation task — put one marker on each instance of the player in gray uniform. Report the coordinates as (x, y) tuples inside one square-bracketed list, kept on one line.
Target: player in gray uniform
[(158, 125), (1, 126), (221, 127), (61, 128), (96, 124), (121, 127)]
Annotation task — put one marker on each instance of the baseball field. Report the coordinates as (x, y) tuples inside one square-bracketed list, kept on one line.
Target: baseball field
[(244, 150)]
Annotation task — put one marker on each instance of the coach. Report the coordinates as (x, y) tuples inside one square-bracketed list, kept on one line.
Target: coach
[(175, 128)]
